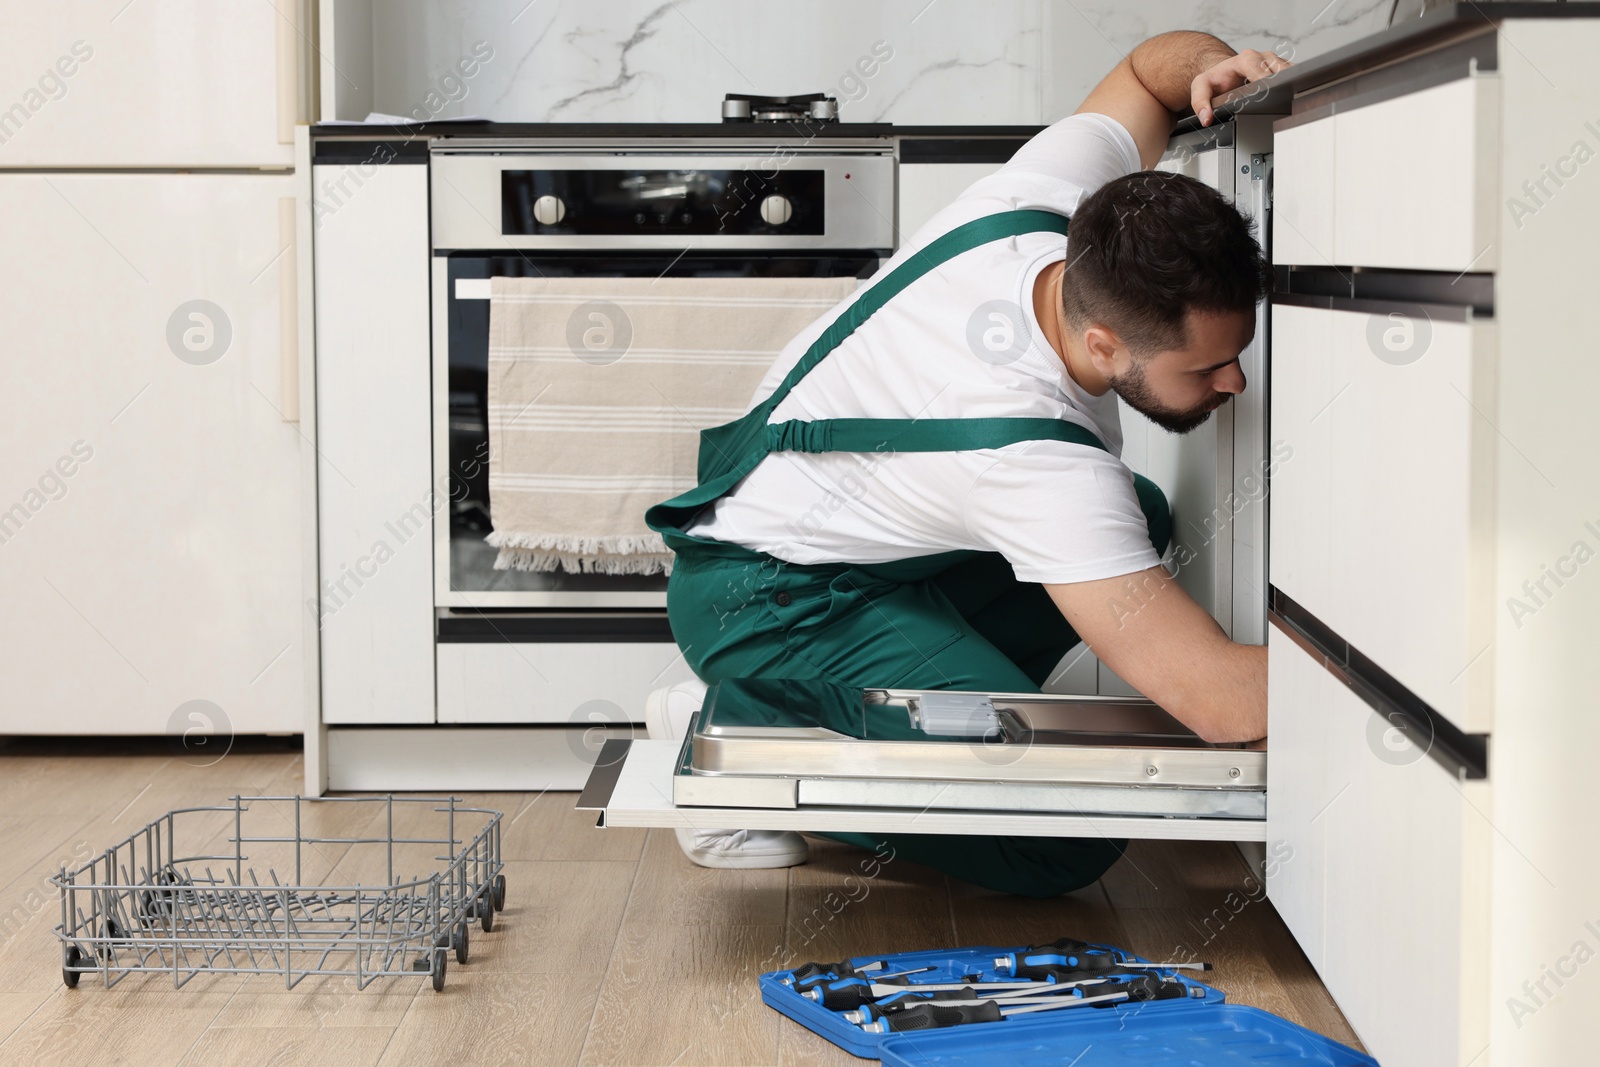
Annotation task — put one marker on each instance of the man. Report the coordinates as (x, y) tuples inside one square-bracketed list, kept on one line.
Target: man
[(978, 523)]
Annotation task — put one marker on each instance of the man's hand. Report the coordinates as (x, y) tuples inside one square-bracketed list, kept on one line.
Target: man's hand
[(1167, 73), (1150, 631), (1248, 66)]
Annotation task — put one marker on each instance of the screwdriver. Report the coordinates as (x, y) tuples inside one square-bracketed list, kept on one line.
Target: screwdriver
[(877, 1009), (842, 993), (1073, 962), (1042, 988), (843, 969), (805, 985), (1138, 987), (1033, 993), (938, 1016)]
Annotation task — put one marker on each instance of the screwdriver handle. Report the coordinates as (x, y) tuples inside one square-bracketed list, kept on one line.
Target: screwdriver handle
[(877, 1009), (1062, 944), (1057, 965), (934, 1016), (842, 969), (842, 994)]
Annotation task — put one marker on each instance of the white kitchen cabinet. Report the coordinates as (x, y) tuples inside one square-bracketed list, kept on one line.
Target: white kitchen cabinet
[(553, 682), (376, 503), (1302, 215), (150, 504), (1298, 792), (1383, 856), (1414, 179), (1305, 386), (179, 83), (1408, 183), (1443, 533), (925, 189), (1384, 509)]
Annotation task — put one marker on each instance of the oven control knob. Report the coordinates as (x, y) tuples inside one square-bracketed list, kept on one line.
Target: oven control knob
[(776, 210), (549, 210)]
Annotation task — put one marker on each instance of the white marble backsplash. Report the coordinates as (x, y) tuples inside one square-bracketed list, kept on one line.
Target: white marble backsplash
[(902, 61)]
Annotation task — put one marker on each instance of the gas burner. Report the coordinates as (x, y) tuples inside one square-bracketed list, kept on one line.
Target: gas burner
[(813, 107)]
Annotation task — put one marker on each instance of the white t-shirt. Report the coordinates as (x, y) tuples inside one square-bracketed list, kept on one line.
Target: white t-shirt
[(1058, 512)]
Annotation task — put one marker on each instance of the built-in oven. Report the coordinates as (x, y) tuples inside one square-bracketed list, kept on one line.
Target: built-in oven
[(672, 208)]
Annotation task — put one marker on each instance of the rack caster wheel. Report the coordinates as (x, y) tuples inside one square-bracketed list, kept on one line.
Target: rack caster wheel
[(499, 892), (110, 930), (434, 963), (458, 941), (70, 958), (485, 911)]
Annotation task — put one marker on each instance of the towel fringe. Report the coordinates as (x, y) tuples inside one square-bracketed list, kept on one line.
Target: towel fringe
[(619, 554), (524, 559)]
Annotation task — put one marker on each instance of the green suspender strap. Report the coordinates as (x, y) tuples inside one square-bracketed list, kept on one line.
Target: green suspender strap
[(732, 450)]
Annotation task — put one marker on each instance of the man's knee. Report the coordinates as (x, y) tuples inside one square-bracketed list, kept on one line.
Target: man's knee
[(1157, 512)]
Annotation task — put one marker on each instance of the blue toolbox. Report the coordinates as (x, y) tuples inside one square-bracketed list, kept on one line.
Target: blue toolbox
[(940, 1007)]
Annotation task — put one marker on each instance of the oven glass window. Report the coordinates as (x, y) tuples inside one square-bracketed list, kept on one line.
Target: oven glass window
[(471, 559)]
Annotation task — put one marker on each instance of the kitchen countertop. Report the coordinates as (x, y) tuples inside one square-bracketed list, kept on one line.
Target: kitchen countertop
[(758, 131)]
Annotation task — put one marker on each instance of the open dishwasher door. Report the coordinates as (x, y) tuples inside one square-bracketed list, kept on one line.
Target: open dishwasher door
[(810, 755)]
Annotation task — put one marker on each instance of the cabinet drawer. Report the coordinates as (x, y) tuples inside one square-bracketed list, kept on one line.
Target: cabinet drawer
[(1408, 182), (554, 681), (1378, 851), (1382, 507)]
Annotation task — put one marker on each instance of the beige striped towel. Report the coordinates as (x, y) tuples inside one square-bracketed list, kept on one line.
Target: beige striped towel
[(598, 388)]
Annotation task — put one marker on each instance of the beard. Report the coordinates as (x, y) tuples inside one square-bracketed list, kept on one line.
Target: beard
[(1135, 391)]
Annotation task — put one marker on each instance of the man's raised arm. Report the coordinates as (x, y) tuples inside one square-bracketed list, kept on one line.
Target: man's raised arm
[(1168, 74)]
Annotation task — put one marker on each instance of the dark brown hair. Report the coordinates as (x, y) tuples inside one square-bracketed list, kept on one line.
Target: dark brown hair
[(1144, 249)]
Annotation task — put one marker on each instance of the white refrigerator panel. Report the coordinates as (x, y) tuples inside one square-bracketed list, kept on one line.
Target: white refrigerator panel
[(177, 83), (149, 482)]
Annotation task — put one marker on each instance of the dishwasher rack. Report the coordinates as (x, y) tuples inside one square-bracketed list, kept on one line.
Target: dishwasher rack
[(195, 891)]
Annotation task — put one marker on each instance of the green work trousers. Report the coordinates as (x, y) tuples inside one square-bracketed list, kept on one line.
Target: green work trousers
[(970, 625)]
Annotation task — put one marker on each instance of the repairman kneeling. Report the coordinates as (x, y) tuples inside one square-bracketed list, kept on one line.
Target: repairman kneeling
[(927, 491)]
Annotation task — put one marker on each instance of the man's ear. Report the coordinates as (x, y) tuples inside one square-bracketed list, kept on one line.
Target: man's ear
[(1102, 345)]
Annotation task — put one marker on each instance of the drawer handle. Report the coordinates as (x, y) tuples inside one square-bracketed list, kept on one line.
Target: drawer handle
[(1464, 755)]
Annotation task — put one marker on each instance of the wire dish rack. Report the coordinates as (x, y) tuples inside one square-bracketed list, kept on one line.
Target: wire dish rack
[(381, 886)]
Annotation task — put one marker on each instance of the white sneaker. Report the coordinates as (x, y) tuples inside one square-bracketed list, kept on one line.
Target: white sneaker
[(743, 849), (666, 718), (667, 711)]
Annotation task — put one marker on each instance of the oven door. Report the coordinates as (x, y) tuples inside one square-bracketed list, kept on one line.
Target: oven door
[(464, 572)]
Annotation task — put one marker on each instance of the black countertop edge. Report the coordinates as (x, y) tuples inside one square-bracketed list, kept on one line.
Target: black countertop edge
[(762, 131), (1274, 95)]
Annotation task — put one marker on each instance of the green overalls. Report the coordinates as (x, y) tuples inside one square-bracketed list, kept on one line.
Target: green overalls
[(953, 620)]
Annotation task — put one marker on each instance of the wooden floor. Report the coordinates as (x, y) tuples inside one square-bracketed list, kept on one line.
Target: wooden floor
[(612, 949)]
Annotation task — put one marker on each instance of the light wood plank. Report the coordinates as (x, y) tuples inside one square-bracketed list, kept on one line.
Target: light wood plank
[(672, 890), (560, 918), (686, 994), (323, 1000), (134, 1026), (550, 828), (485, 1018), (14, 1011), (1156, 874), (303, 1046)]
